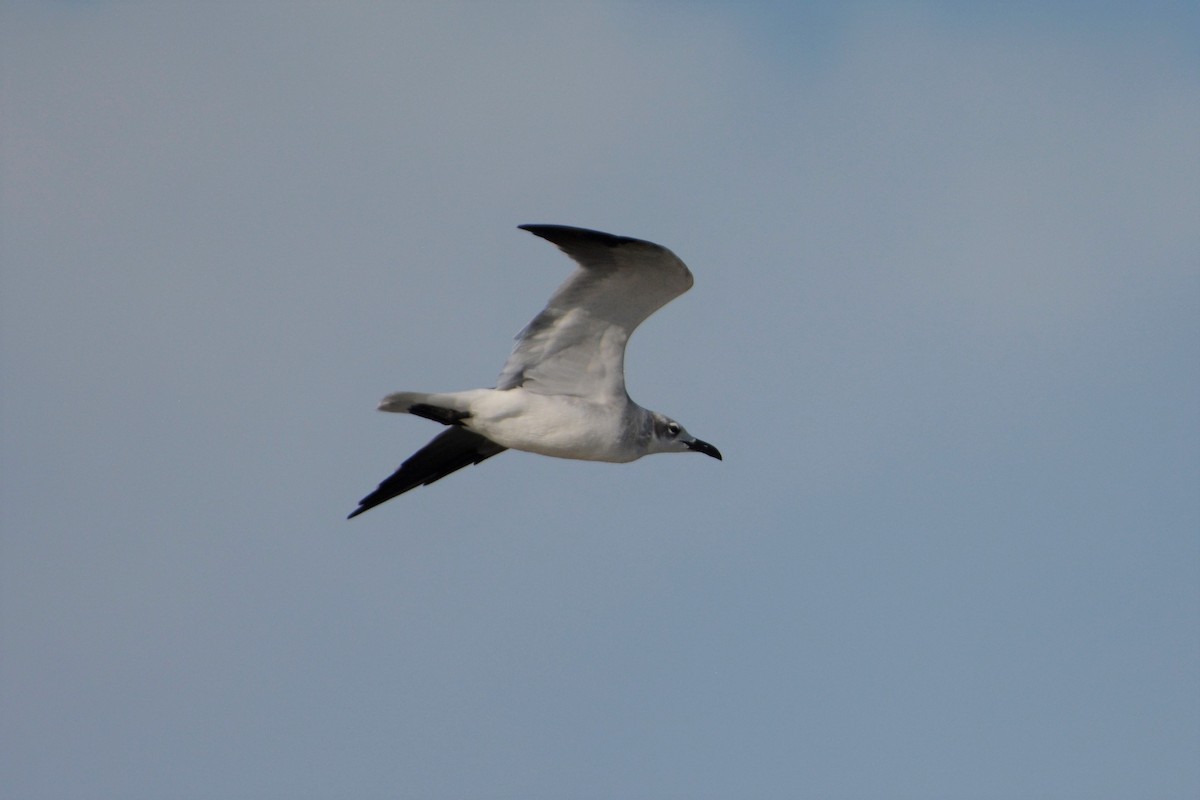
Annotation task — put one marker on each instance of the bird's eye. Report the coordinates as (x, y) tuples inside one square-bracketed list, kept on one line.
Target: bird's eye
[(673, 428)]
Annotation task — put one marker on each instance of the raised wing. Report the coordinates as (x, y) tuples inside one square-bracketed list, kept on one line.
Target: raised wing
[(448, 452), (576, 346)]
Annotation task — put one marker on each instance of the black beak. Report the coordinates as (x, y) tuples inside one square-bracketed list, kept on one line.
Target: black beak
[(704, 447)]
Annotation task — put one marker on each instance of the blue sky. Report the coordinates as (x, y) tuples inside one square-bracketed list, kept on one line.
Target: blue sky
[(945, 330)]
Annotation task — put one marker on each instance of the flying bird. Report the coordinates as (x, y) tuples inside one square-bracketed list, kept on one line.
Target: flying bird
[(562, 391)]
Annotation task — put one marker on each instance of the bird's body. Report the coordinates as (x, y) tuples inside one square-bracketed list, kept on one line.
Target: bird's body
[(550, 425), (562, 391)]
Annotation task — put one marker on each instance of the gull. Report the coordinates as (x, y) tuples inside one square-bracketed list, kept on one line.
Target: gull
[(562, 391)]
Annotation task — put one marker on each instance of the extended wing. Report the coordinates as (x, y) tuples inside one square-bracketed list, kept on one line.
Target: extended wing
[(450, 451), (576, 345)]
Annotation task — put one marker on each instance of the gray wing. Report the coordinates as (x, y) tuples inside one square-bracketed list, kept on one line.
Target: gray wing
[(576, 345), (448, 452)]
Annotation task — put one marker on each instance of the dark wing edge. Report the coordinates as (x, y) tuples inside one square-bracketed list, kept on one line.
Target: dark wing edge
[(448, 452), (568, 236)]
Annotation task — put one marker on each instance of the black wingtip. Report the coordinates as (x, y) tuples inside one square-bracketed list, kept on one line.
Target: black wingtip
[(565, 235), (376, 498)]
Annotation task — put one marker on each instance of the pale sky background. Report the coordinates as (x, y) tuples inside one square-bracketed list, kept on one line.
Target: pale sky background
[(945, 329)]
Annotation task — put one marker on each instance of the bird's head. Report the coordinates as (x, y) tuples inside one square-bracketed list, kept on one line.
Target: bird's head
[(670, 437)]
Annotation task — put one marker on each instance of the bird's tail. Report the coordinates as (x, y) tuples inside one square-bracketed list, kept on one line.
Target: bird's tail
[(401, 402), (449, 408)]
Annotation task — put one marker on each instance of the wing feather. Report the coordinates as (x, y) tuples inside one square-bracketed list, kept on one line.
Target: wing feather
[(448, 452), (576, 345)]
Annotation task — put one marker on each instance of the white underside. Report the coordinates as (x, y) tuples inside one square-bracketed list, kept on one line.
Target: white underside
[(551, 425)]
